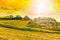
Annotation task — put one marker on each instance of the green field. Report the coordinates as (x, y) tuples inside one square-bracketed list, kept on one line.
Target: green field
[(17, 30)]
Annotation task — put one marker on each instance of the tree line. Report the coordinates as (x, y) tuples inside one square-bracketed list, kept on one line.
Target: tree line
[(17, 17)]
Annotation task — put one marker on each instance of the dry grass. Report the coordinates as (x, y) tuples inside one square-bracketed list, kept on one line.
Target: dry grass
[(13, 34), (16, 23)]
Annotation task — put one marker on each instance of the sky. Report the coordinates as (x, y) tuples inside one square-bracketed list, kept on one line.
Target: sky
[(31, 8)]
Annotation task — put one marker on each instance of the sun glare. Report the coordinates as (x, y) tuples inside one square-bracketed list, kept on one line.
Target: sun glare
[(41, 6)]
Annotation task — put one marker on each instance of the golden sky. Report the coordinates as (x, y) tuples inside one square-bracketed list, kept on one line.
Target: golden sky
[(7, 6), (13, 3), (33, 8)]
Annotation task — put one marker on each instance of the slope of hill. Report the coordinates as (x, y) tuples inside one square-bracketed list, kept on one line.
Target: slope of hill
[(16, 23), (17, 30), (13, 34)]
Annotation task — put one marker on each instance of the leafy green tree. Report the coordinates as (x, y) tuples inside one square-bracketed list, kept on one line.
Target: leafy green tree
[(18, 17)]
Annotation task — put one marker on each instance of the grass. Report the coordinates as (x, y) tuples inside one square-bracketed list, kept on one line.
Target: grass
[(29, 29), (14, 30), (17, 23), (13, 34)]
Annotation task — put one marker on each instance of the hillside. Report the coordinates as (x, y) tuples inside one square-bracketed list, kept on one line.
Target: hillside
[(16, 23), (19, 30), (12, 34)]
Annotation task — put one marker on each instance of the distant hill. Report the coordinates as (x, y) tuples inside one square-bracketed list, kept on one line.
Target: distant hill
[(26, 18), (43, 22)]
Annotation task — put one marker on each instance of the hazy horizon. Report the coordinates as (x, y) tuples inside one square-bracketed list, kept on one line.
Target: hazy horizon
[(32, 8)]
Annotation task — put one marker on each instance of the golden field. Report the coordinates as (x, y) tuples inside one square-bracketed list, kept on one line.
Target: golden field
[(13, 34), (16, 23)]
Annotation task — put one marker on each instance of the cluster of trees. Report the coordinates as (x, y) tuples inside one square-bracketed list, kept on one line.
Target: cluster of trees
[(17, 17)]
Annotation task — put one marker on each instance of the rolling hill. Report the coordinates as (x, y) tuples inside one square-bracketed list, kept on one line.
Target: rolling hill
[(18, 30)]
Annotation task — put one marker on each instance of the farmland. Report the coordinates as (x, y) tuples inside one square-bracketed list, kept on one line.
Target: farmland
[(16, 23), (12, 34), (16, 31)]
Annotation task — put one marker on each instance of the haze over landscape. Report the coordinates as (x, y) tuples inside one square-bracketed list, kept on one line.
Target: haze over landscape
[(29, 19), (32, 8)]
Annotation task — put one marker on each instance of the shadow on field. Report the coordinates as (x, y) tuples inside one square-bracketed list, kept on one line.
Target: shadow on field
[(28, 29)]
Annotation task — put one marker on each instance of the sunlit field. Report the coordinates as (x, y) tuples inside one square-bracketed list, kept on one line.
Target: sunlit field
[(12, 34), (16, 23), (16, 31)]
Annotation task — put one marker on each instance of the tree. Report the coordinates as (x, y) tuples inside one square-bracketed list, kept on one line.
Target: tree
[(11, 16), (18, 17)]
